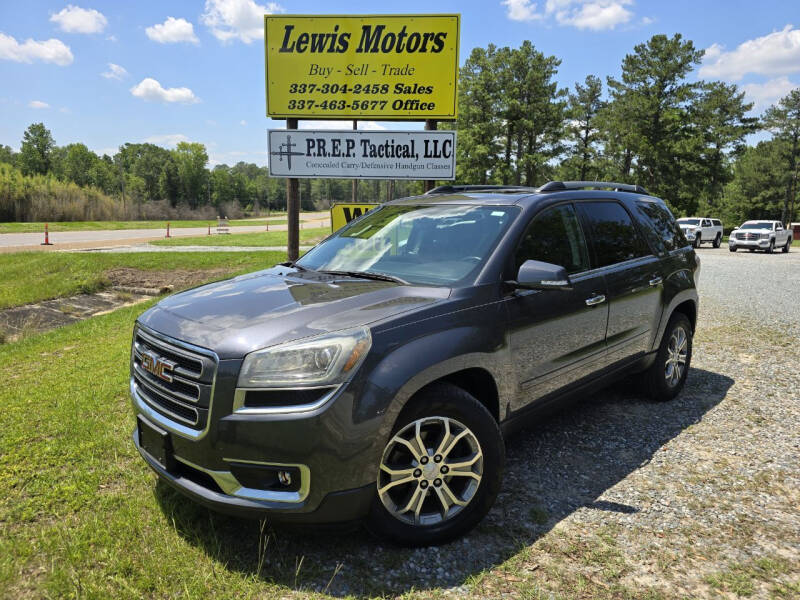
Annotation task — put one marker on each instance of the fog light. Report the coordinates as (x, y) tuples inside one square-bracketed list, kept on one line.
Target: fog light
[(285, 478)]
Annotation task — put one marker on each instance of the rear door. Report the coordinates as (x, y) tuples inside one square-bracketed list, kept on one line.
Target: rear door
[(557, 337), (633, 278)]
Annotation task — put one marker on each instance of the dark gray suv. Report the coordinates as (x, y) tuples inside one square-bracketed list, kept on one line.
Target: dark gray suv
[(376, 377)]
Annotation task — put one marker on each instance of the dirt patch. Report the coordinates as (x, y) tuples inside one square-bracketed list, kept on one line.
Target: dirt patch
[(127, 277)]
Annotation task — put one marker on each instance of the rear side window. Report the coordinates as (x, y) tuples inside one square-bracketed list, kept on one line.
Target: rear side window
[(716, 222), (555, 236), (614, 237), (663, 230)]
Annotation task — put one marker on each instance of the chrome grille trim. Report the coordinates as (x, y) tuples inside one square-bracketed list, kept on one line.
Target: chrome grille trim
[(182, 405)]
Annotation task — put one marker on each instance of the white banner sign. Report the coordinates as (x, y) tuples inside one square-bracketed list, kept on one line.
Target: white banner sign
[(351, 154)]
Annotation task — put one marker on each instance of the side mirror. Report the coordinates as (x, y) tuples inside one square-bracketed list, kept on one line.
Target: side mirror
[(537, 275)]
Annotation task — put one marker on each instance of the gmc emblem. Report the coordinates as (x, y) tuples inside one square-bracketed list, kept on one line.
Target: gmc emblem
[(158, 366)]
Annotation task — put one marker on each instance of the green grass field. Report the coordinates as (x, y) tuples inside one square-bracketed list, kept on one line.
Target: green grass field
[(267, 238), (115, 225), (33, 276)]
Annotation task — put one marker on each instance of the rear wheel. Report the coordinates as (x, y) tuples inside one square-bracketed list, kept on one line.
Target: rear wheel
[(666, 377), (718, 240), (786, 246), (440, 471)]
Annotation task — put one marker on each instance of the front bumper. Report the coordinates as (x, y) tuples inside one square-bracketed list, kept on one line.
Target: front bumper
[(335, 456), (335, 507), (758, 244)]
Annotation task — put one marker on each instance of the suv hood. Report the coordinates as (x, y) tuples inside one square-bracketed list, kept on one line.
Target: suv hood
[(253, 311)]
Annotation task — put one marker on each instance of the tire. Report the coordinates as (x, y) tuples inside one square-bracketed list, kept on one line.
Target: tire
[(718, 240), (697, 241), (660, 382), (751, 249), (771, 247), (438, 409), (786, 246), (732, 248)]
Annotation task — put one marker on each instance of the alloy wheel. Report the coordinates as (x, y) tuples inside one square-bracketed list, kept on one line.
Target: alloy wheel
[(676, 356), (430, 471)]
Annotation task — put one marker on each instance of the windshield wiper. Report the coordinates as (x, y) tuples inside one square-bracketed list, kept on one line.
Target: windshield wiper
[(368, 275), (293, 263)]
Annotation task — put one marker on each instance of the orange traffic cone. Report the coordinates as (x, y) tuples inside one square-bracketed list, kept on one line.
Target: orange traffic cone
[(46, 241)]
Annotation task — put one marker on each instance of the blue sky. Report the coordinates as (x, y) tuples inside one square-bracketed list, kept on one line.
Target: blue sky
[(105, 73)]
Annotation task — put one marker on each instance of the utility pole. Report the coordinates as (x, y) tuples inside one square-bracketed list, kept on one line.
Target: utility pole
[(355, 181), (429, 184), (293, 208)]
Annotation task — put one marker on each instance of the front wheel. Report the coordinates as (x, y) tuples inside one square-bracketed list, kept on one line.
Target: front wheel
[(771, 248), (732, 248), (440, 471), (718, 240), (786, 246), (697, 241), (667, 375)]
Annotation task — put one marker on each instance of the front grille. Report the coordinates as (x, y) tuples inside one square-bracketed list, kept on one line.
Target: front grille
[(187, 397), (747, 236)]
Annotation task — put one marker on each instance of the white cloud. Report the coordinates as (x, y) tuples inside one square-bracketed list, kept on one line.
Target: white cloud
[(74, 19), (115, 72), (364, 125), (38, 104), (237, 19), (522, 10), (50, 51), (777, 53), (167, 139), (598, 15), (150, 89), (242, 122), (172, 31), (765, 94), (582, 14), (64, 110)]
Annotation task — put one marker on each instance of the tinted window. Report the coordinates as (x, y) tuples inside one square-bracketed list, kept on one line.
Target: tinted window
[(664, 230), (716, 222), (614, 236), (555, 236)]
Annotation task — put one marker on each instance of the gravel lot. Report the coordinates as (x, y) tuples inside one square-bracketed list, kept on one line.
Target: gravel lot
[(616, 497)]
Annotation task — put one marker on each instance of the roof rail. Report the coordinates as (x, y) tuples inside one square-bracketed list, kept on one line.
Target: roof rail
[(560, 186), (453, 189)]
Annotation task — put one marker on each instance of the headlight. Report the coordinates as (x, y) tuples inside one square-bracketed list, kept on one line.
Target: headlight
[(325, 360), (764, 236)]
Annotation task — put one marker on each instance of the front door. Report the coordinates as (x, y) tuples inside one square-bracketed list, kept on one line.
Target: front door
[(557, 337)]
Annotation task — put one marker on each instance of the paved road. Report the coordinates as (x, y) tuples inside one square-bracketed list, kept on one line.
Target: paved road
[(85, 239)]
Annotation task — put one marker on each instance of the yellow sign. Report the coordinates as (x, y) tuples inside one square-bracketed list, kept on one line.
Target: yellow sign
[(342, 214), (362, 66)]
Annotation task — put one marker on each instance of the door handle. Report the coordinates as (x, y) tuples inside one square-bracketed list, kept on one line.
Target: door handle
[(596, 299), (656, 281)]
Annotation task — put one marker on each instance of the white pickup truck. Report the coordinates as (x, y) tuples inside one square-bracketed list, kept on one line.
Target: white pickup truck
[(760, 235), (701, 229)]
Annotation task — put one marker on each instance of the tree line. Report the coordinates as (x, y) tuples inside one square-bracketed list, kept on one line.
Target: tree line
[(684, 140)]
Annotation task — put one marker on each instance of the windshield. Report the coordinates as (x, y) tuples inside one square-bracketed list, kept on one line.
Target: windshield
[(761, 225), (429, 245), (689, 221)]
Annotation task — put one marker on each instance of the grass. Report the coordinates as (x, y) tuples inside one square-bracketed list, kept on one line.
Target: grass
[(267, 238), (37, 227), (34, 276)]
